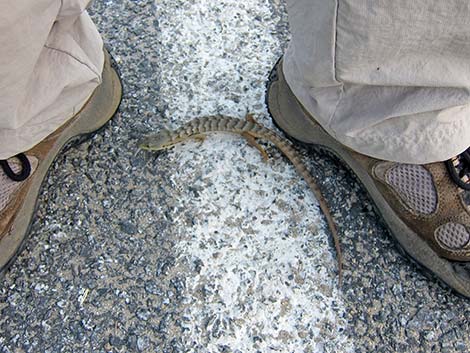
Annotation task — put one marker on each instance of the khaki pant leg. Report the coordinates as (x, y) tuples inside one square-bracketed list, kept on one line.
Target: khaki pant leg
[(390, 79), (51, 60)]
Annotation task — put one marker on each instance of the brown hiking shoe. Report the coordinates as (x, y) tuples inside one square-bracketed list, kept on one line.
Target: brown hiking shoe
[(21, 176), (426, 207)]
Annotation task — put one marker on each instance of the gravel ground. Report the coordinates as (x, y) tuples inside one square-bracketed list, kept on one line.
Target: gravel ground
[(206, 248)]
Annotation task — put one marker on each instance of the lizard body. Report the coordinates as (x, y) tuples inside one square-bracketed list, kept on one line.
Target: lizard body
[(250, 130)]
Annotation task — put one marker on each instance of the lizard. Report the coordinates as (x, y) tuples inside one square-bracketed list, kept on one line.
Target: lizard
[(251, 130)]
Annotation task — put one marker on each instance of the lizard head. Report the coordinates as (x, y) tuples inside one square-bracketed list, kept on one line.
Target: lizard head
[(157, 142)]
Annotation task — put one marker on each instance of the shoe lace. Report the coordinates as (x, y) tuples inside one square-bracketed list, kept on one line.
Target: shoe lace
[(459, 169), (23, 173)]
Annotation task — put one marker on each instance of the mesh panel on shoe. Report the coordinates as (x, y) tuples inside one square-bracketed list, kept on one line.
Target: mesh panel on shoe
[(452, 235), (8, 186), (415, 186)]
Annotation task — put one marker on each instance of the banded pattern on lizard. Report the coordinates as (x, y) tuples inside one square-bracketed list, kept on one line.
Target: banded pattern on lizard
[(250, 130)]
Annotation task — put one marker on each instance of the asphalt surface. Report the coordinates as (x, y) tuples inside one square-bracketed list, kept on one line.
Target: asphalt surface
[(206, 248)]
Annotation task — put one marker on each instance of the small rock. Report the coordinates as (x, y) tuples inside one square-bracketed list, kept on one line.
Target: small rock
[(132, 342), (143, 314), (115, 341), (142, 343), (127, 227)]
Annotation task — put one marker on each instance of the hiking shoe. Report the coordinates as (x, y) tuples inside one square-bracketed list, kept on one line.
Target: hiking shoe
[(21, 176), (426, 207)]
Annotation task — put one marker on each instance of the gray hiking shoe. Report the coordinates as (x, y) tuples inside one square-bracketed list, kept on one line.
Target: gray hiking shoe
[(21, 177), (426, 207)]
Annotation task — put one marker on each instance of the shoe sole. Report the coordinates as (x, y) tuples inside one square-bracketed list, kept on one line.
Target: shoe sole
[(290, 117), (93, 117)]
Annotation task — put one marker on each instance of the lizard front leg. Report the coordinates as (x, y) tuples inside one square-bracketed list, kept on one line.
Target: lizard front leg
[(199, 138)]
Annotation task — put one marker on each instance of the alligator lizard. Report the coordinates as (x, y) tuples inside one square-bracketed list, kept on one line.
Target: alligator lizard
[(250, 130)]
